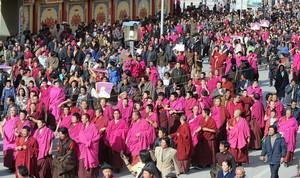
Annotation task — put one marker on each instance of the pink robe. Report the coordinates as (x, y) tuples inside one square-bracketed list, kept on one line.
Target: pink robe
[(108, 111), (126, 113), (88, 142), (194, 123), (258, 90), (145, 140), (212, 83), (258, 113), (9, 141), (57, 95), (45, 96), (289, 128), (44, 140), (154, 75), (153, 117), (189, 104), (74, 130), (66, 121), (237, 137), (116, 135)]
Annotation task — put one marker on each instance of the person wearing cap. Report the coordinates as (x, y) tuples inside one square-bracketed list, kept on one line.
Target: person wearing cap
[(107, 171)]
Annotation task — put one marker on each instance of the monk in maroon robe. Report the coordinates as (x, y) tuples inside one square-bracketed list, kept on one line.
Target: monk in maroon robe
[(238, 134), (214, 58), (85, 109), (116, 132), (257, 122), (235, 104), (44, 137), (205, 150), (183, 140), (247, 103), (27, 152), (101, 123), (220, 114), (160, 105), (228, 85)]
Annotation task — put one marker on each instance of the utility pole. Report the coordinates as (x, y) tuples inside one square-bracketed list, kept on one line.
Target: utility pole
[(162, 17)]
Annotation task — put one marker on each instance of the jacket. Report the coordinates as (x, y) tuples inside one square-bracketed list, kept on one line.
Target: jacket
[(228, 175), (170, 162), (8, 92), (277, 152)]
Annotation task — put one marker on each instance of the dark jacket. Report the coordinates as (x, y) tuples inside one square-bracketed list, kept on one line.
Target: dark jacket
[(281, 82), (277, 152), (229, 175)]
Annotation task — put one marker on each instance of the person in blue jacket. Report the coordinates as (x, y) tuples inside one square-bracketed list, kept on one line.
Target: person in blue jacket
[(8, 90), (275, 148)]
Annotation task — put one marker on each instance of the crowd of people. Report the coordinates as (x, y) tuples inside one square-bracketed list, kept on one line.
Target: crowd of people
[(164, 113)]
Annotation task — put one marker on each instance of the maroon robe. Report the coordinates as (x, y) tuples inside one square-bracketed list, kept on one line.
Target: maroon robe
[(90, 112), (247, 103), (231, 107), (220, 115), (205, 150), (103, 149), (257, 124), (28, 157)]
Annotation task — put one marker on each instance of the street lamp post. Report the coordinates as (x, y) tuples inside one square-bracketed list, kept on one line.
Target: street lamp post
[(162, 17)]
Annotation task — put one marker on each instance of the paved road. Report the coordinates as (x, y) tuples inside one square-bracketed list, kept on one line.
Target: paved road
[(256, 168)]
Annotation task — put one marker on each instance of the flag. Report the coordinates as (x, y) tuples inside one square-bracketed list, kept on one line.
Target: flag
[(103, 89)]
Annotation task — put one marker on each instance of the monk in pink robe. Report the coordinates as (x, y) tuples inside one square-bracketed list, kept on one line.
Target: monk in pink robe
[(151, 116), (175, 110), (44, 137), (238, 135), (220, 114), (193, 120), (66, 119), (141, 135), (257, 122), (288, 126), (75, 126), (126, 110), (116, 132), (9, 139), (56, 96), (88, 142), (86, 110), (189, 103), (108, 111), (255, 89)]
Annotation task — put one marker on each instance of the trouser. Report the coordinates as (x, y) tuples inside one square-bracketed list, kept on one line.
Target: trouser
[(205, 50), (274, 170)]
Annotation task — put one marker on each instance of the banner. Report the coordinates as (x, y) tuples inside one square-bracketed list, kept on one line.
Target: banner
[(53, 1), (103, 89), (28, 2)]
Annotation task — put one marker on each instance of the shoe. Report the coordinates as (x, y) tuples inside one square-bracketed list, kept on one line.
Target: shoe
[(286, 165)]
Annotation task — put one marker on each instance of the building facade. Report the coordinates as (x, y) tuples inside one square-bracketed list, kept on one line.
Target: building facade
[(50, 12)]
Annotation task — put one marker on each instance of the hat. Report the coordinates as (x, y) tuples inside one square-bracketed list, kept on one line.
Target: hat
[(106, 166), (172, 175)]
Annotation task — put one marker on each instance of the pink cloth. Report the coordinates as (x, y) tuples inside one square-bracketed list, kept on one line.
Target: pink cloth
[(116, 134), (126, 112), (66, 121), (45, 95), (145, 140), (176, 105), (44, 140), (108, 111), (88, 142), (212, 84), (57, 95), (189, 104), (258, 90), (74, 130), (237, 137), (9, 141), (153, 117), (258, 113), (289, 129), (194, 123), (154, 75)]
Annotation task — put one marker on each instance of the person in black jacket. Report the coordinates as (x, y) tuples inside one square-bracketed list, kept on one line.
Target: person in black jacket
[(275, 148), (281, 81)]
